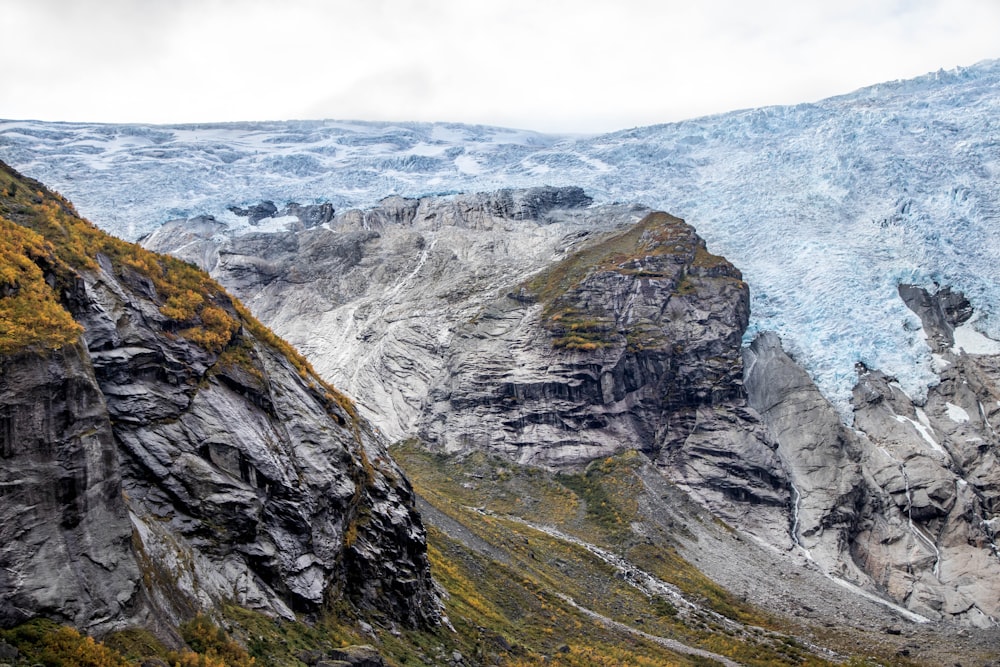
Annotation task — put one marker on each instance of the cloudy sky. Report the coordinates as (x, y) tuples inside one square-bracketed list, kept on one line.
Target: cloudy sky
[(549, 65)]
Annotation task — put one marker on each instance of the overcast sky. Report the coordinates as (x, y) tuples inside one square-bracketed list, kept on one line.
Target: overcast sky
[(548, 65)]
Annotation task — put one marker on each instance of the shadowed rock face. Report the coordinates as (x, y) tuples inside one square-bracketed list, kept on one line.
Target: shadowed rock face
[(147, 477), (630, 343), (243, 481), (65, 536)]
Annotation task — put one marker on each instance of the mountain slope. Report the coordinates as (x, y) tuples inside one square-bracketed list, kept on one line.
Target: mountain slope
[(825, 207), (164, 453), (596, 564), (571, 334)]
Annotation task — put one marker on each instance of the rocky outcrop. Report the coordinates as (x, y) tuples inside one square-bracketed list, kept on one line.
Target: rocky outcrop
[(630, 343), (65, 537), (244, 481), (373, 297), (930, 538), (554, 333), (904, 503), (821, 456), (177, 459), (628, 336)]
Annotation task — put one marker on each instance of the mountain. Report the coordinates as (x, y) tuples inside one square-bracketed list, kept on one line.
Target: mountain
[(165, 454), (626, 447), (537, 326), (825, 207), (617, 368)]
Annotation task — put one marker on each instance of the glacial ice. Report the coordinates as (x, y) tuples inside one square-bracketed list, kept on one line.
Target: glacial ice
[(825, 206)]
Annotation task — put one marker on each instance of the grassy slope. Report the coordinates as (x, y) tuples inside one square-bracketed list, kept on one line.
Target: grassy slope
[(513, 583), (659, 247), (44, 244)]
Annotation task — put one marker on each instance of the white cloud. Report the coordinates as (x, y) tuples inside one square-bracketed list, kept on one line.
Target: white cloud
[(553, 65)]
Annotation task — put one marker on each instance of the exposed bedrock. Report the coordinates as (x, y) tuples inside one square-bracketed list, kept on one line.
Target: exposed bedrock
[(904, 502), (65, 536), (243, 481), (630, 343), (160, 467), (554, 333)]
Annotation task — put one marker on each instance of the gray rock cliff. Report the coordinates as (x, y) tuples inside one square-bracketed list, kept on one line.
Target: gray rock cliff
[(902, 503), (174, 460), (533, 325), (65, 537)]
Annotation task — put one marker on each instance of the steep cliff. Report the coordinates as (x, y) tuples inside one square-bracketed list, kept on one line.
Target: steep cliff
[(905, 501), (373, 297), (557, 333), (632, 342), (164, 452)]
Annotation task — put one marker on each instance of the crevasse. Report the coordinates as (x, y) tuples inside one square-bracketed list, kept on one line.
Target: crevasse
[(826, 206)]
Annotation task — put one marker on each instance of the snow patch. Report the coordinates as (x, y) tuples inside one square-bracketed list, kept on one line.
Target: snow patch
[(468, 165), (923, 430), (270, 225), (902, 611), (939, 363), (970, 341), (957, 414)]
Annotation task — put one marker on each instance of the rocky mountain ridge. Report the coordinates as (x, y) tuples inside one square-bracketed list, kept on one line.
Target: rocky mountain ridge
[(176, 455), (825, 206), (571, 334)]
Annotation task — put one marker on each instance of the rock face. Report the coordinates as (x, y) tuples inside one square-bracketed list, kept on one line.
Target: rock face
[(818, 452), (554, 333), (936, 484), (373, 296), (160, 471), (904, 503), (65, 536), (630, 343), (246, 482), (422, 309)]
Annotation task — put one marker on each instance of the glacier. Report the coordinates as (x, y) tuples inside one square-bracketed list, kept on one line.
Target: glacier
[(826, 207)]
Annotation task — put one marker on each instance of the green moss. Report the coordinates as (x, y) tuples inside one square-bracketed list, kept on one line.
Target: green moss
[(655, 235), (136, 645), (43, 642), (525, 571)]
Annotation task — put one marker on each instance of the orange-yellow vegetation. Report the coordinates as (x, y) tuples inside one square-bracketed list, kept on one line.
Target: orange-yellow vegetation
[(198, 308), (188, 297), (41, 641), (210, 647), (30, 315)]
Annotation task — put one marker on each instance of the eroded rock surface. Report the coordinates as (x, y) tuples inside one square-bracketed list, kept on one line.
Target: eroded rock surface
[(554, 333), (630, 343), (373, 297), (65, 536), (903, 503), (161, 467), (423, 310)]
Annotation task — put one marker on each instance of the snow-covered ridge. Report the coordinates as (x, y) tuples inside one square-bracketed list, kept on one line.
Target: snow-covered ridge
[(825, 207)]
